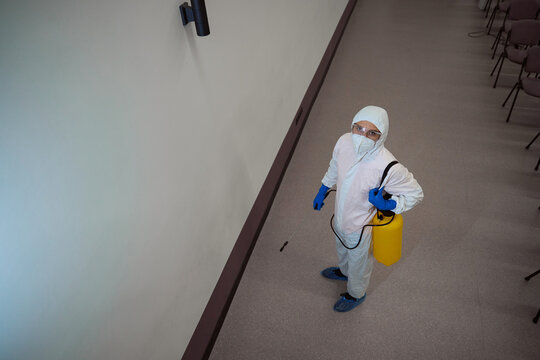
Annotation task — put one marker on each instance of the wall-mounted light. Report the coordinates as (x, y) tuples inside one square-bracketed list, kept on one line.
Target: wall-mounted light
[(196, 12)]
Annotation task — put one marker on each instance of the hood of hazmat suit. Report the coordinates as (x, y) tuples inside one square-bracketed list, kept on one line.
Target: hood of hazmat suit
[(378, 117)]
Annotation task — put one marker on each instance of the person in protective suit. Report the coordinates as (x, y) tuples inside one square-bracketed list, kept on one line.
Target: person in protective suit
[(358, 162)]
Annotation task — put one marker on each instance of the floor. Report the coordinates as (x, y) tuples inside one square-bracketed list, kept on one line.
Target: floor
[(458, 291)]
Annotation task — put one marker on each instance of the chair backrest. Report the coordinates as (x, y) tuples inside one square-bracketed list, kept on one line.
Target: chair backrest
[(532, 61), (524, 32), (523, 9)]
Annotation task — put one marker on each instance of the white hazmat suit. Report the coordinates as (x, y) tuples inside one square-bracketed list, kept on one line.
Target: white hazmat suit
[(355, 172)]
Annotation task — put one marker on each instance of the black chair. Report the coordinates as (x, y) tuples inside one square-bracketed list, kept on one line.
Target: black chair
[(524, 33), (517, 10), (531, 86)]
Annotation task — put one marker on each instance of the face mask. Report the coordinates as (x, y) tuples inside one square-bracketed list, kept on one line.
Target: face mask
[(362, 144)]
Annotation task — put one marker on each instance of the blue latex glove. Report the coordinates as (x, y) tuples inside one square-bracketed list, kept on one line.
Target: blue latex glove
[(318, 202), (376, 198)]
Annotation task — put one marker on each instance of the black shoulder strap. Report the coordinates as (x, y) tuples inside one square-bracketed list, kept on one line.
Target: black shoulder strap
[(387, 170)]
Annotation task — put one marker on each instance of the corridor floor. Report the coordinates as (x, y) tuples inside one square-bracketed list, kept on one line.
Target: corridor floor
[(458, 292)]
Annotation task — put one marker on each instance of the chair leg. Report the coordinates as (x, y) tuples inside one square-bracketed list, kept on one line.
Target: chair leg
[(510, 94), (527, 147), (537, 164), (496, 39), (528, 277), (513, 103), (498, 72), (496, 43), (486, 8), (491, 19), (497, 63)]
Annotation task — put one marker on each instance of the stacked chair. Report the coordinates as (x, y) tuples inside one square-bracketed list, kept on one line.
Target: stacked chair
[(529, 85), (516, 10), (521, 46), (522, 35)]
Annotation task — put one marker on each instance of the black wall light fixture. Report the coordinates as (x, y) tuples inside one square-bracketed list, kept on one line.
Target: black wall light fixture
[(196, 12)]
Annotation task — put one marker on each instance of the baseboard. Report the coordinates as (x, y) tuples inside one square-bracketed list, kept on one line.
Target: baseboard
[(205, 335)]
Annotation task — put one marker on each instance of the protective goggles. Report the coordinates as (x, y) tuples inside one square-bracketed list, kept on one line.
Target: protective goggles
[(372, 134)]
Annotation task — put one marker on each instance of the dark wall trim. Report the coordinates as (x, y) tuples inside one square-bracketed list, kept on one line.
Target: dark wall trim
[(205, 335)]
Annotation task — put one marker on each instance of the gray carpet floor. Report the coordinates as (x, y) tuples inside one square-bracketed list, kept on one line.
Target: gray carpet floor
[(459, 290)]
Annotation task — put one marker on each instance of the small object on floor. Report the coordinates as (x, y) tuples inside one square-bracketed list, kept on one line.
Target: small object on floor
[(333, 273), (283, 247), (347, 302)]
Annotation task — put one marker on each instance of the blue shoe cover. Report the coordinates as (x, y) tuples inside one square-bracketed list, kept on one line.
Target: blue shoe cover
[(344, 304), (331, 274)]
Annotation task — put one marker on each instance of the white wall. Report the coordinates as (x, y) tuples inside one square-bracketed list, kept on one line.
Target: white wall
[(131, 152)]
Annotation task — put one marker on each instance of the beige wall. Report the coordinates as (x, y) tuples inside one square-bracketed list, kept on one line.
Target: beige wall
[(131, 152)]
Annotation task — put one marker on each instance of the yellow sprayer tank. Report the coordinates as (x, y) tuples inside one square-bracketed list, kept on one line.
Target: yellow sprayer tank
[(387, 239)]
